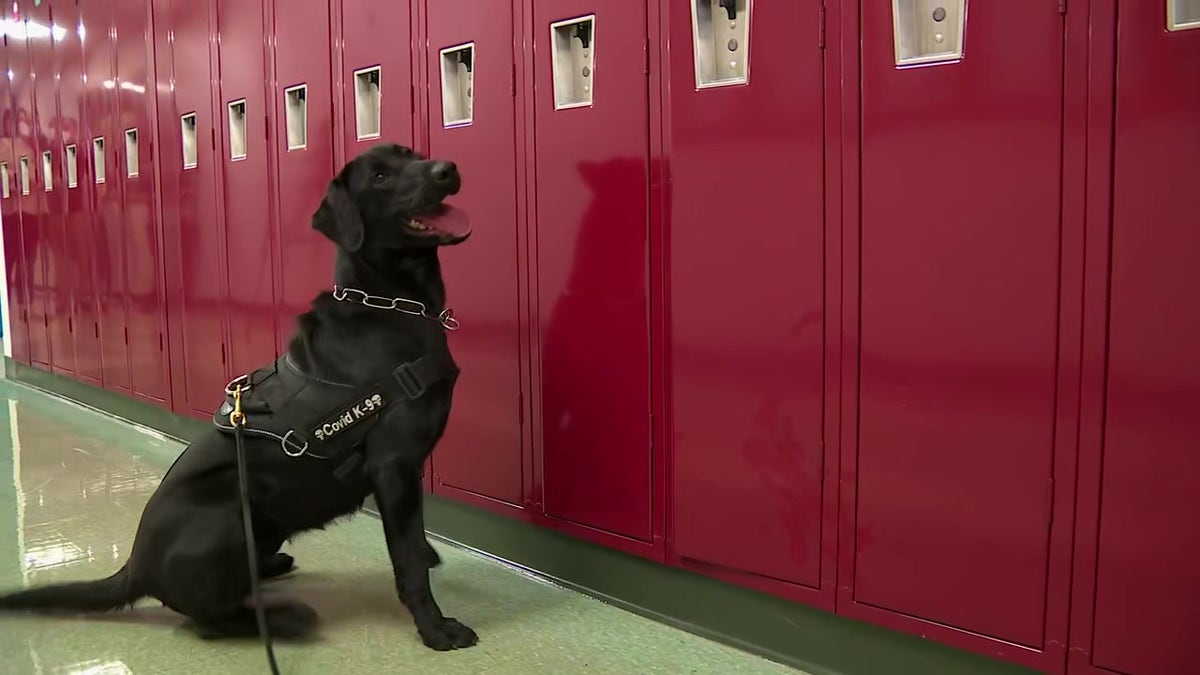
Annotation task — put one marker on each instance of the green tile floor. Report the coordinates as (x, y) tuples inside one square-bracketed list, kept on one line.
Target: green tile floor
[(72, 486)]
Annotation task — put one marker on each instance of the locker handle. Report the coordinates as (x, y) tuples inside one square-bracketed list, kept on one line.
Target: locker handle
[(730, 7)]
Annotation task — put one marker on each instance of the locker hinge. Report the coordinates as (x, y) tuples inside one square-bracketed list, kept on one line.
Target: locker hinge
[(651, 432), (1049, 501), (646, 57), (213, 134), (514, 80), (267, 128), (127, 335), (70, 325), (412, 99), (160, 343), (521, 409), (222, 352), (821, 26), (96, 325), (1062, 6)]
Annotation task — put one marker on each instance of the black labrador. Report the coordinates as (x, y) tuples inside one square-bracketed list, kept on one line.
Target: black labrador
[(386, 213)]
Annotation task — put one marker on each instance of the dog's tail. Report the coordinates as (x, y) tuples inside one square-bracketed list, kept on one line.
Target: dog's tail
[(105, 595)]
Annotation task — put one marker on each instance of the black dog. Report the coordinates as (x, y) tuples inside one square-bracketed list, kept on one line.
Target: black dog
[(386, 214)]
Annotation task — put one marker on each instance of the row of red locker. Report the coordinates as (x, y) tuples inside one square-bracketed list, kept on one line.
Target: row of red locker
[(868, 325)]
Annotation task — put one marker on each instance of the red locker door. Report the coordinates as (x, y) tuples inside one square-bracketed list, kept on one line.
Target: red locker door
[(48, 188), (16, 267), (31, 204), (105, 143), (250, 244), (143, 252), (377, 98), (961, 202), (1149, 480), (592, 262), (748, 200), (73, 180), (190, 166), (303, 138), (472, 125)]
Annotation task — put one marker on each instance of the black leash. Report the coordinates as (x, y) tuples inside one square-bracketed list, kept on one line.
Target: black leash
[(260, 613)]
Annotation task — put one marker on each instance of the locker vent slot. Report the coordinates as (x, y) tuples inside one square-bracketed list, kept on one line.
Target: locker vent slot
[(1183, 14), (721, 40), (98, 162), (72, 167), (47, 171), (367, 102), (131, 153), (458, 77), (4, 177), (187, 129), (295, 101), (24, 169), (928, 31), (573, 43), (237, 130)]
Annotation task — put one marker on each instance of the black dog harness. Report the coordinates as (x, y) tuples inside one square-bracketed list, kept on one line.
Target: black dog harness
[(324, 420), (311, 417)]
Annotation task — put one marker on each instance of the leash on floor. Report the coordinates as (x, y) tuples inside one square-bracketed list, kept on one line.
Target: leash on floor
[(260, 613)]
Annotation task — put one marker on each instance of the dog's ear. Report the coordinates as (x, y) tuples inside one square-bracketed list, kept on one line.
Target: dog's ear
[(338, 218)]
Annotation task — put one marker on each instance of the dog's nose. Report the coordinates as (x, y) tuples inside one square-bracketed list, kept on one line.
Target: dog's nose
[(444, 172)]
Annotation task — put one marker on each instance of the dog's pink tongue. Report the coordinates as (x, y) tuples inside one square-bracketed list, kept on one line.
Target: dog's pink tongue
[(452, 221)]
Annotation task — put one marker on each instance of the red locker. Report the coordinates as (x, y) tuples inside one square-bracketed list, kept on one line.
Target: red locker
[(1138, 547), (16, 267), (73, 180), (472, 117), (29, 199), (592, 261), (48, 189), (193, 236), (746, 283), (303, 140), (952, 507), (104, 147), (377, 74), (143, 242), (251, 238)]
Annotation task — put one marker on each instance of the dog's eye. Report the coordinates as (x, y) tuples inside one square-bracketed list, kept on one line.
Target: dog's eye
[(380, 177)]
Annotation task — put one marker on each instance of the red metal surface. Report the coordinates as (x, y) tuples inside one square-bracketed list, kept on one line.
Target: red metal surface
[(302, 174), (593, 276), (143, 243), (960, 276), (1139, 469), (80, 238), (32, 205), (108, 220), (48, 192), (377, 34), (16, 267), (194, 234), (481, 452), (747, 319), (250, 245)]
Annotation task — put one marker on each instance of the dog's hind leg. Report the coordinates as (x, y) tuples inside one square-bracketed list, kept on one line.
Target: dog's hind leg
[(287, 620)]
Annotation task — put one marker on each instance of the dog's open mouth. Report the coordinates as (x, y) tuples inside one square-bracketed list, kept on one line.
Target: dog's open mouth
[(446, 222)]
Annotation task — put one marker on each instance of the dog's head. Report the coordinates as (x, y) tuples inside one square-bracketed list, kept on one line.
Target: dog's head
[(392, 199)]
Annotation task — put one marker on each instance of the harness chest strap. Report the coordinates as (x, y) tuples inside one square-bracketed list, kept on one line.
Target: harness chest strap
[(322, 419)]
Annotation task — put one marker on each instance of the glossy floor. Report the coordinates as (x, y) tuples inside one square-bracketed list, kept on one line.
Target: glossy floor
[(72, 486)]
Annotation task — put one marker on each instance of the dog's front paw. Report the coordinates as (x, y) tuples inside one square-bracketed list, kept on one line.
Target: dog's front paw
[(449, 634)]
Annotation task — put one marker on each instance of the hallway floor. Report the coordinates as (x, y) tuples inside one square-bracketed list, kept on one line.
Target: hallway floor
[(72, 486)]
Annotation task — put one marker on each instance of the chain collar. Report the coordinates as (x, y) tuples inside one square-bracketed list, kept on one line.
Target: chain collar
[(403, 305)]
